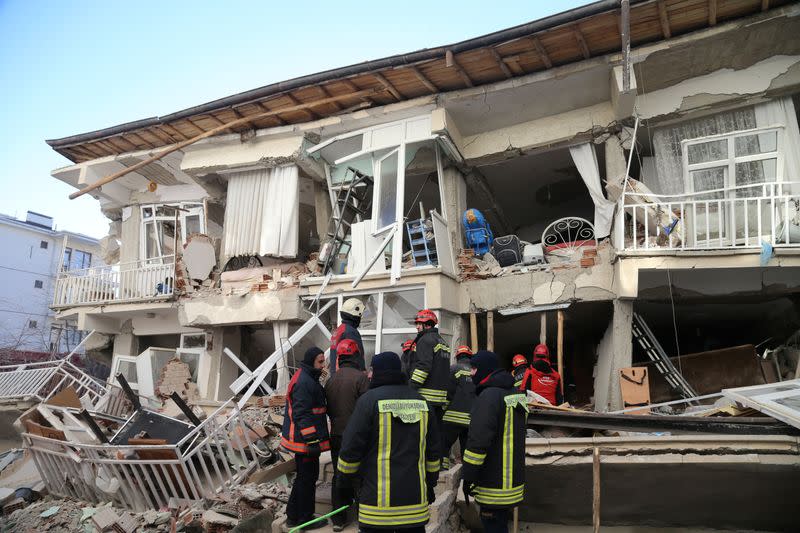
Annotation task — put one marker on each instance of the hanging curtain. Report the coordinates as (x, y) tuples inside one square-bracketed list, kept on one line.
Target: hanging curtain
[(781, 112), (262, 212), (585, 159)]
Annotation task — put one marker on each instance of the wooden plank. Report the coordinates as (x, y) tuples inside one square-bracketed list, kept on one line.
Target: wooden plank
[(423, 80), (663, 17), (387, 85), (473, 330), (142, 139), (499, 60), (490, 331), (310, 112), (596, 490), (214, 131), (581, 42), (545, 57), (452, 62), (194, 125), (174, 132), (560, 347), (712, 12)]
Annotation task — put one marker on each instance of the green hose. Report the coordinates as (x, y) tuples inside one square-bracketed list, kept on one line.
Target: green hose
[(319, 519)]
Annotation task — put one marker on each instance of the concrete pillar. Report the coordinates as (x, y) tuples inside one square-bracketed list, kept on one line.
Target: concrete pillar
[(281, 331), (222, 371), (455, 203), (613, 352), (125, 342), (130, 229), (322, 209), (616, 166)]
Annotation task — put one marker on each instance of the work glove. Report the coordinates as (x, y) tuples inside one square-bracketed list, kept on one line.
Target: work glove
[(469, 474), (314, 448), (431, 479)]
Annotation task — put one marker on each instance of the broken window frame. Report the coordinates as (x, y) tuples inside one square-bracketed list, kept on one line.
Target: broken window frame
[(151, 217), (394, 137), (767, 401)]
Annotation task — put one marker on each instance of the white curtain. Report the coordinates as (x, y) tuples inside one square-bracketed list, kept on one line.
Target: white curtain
[(585, 159), (781, 112), (262, 212)]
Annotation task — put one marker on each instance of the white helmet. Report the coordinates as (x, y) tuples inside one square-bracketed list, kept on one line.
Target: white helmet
[(353, 306)]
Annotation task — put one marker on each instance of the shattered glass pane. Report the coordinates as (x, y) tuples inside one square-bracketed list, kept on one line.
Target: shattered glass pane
[(400, 308), (128, 371), (387, 199), (370, 318)]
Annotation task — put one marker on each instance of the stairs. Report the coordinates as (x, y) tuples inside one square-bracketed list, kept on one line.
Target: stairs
[(654, 351)]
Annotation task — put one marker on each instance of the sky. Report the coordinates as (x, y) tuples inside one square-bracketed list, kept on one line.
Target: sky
[(78, 66)]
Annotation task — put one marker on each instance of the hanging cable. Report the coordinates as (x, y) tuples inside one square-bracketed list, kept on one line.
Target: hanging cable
[(674, 321)]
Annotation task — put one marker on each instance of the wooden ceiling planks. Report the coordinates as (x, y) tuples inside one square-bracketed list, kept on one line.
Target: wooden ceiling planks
[(590, 37)]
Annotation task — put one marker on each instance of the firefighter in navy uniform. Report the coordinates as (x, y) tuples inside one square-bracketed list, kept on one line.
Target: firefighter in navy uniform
[(494, 460), (520, 368), (305, 433), (351, 313), (429, 366), (391, 444), (542, 378), (407, 354), (461, 396)]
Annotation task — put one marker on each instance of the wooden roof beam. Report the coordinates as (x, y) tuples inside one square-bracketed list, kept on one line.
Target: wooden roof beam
[(194, 125), (163, 137), (450, 61), (130, 146), (513, 63), (265, 109), (173, 132), (388, 85), (764, 5), (144, 141), (96, 150), (499, 60), (712, 12), (542, 52), (325, 94), (310, 112), (423, 80), (352, 86), (581, 42), (663, 17)]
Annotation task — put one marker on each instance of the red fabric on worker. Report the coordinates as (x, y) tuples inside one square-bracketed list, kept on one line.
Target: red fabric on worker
[(543, 384)]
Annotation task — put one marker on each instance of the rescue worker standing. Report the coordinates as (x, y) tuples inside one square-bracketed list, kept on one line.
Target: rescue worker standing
[(405, 359), (542, 378), (342, 391), (392, 445), (461, 396), (494, 460), (520, 367), (305, 432), (351, 313)]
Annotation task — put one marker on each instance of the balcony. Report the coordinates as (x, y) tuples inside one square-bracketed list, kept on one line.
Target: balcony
[(151, 279), (734, 218)]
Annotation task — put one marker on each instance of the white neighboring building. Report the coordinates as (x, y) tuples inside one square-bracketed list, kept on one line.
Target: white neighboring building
[(33, 254)]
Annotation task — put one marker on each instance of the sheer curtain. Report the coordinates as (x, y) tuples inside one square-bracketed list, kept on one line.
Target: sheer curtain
[(262, 212), (585, 159), (781, 112)]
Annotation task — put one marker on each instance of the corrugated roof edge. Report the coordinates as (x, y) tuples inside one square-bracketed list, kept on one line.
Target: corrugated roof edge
[(489, 39)]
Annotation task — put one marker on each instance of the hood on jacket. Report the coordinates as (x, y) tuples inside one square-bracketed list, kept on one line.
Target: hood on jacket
[(484, 362), (352, 320), (313, 372), (386, 370), (499, 378), (542, 365)]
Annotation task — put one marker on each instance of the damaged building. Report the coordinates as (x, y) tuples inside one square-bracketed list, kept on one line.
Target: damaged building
[(611, 181)]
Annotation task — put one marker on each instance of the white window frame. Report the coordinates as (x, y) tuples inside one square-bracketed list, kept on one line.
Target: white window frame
[(185, 209), (731, 161), (112, 377), (766, 401), (379, 189)]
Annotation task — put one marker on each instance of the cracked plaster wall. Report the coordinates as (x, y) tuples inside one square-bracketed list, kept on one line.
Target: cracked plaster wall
[(614, 352)]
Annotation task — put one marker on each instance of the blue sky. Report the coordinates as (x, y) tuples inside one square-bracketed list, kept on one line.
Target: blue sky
[(73, 67)]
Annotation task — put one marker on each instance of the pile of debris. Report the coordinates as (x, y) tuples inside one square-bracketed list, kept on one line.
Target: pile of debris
[(265, 278), (250, 502)]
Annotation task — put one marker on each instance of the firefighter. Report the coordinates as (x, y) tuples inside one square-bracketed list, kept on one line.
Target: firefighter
[(305, 433), (461, 396), (494, 460), (351, 313), (391, 444), (430, 366), (520, 367), (405, 359), (342, 391), (542, 378)]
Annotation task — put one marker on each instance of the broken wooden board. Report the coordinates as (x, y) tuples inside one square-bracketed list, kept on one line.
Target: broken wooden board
[(67, 397), (272, 472), (634, 384)]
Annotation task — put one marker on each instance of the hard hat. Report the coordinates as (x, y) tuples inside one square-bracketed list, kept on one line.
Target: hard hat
[(463, 351), (426, 315), (408, 345), (347, 348), (541, 351), (353, 306), (519, 360)]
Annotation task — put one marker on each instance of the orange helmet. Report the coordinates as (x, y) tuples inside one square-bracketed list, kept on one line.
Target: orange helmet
[(408, 345), (519, 360), (463, 351), (426, 315), (541, 351), (347, 348)]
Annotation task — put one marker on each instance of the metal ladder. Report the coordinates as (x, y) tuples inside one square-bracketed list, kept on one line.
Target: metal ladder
[(423, 251), (353, 204), (653, 349)]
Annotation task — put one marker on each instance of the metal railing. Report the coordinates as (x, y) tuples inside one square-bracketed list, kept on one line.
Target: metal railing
[(136, 280), (214, 456), (732, 218)]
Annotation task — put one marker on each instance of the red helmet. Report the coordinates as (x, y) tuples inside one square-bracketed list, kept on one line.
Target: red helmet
[(463, 351), (346, 348), (519, 360), (408, 345), (541, 351), (426, 315)]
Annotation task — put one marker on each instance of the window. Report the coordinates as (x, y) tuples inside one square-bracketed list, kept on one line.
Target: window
[(67, 257), (43, 245), (159, 232), (32, 324), (38, 284), (76, 260)]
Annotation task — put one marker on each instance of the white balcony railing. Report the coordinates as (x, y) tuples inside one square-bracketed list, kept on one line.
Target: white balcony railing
[(125, 282), (733, 218)]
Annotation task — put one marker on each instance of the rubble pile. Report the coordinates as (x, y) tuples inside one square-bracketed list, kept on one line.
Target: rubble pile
[(265, 278), (177, 377), (223, 513)]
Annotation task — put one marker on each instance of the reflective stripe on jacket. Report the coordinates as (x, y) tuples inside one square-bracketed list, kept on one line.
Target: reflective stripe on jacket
[(305, 419), (430, 367), (460, 395), (496, 442), (391, 443)]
